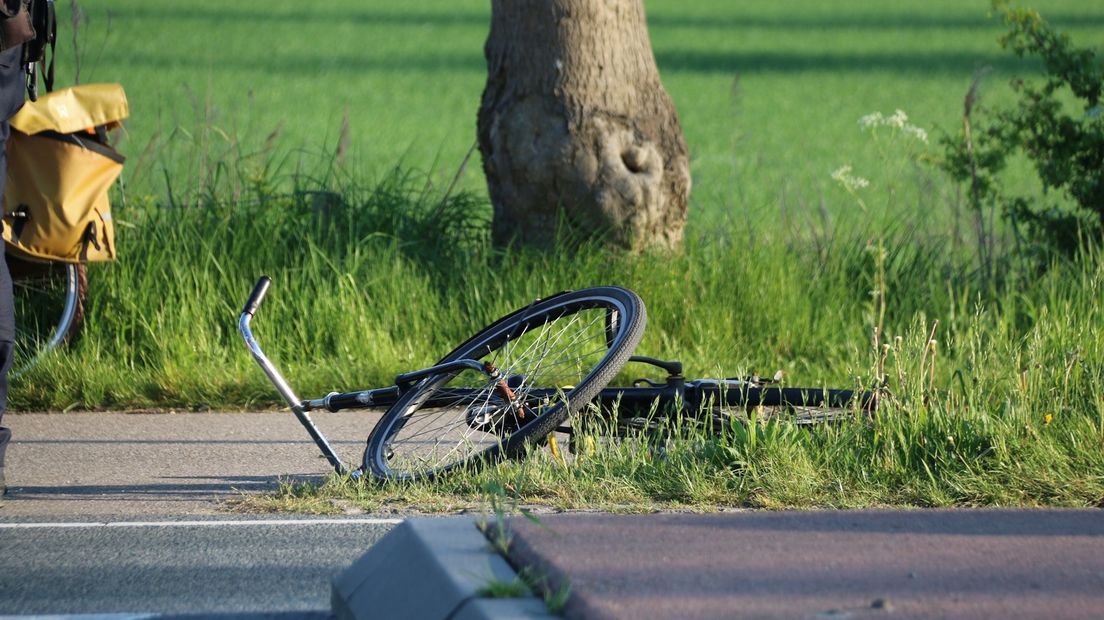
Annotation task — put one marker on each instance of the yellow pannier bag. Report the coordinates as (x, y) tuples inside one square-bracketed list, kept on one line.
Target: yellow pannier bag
[(60, 167)]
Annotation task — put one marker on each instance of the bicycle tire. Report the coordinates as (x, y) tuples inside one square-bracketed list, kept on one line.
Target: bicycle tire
[(48, 301), (560, 347)]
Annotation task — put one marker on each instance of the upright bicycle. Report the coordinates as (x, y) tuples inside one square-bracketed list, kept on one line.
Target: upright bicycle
[(519, 379)]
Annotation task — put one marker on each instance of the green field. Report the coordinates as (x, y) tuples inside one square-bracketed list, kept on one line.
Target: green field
[(237, 116), (768, 92)]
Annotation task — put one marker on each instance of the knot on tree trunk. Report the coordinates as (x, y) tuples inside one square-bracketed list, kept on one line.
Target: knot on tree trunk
[(627, 194), (602, 179)]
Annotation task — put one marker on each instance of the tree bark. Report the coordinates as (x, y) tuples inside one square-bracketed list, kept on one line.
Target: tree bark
[(576, 129)]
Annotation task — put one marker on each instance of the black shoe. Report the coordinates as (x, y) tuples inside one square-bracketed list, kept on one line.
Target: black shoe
[(3, 487)]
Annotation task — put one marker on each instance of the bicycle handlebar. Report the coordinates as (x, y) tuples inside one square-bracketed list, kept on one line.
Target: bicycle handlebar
[(277, 380), (257, 296), (673, 367)]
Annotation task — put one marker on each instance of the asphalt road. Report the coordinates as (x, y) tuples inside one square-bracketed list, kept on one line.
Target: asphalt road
[(109, 464), (128, 514), (212, 566), (132, 513)]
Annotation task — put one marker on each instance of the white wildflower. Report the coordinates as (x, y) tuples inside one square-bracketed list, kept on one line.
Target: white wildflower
[(898, 122), (916, 132), (849, 181), (874, 119)]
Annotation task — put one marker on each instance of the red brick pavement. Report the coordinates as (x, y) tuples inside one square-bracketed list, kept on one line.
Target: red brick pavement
[(854, 564)]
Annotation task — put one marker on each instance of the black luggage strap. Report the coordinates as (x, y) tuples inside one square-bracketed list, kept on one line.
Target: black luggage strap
[(44, 20)]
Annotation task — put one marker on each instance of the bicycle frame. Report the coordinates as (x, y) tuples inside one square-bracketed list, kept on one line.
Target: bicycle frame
[(675, 396)]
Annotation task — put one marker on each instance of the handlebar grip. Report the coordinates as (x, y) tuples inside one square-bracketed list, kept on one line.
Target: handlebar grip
[(673, 367), (257, 296)]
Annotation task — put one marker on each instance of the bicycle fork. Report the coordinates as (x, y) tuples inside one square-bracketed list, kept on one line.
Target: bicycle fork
[(250, 309)]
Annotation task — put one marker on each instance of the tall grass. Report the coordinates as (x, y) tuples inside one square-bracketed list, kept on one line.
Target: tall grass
[(1005, 408), (373, 280)]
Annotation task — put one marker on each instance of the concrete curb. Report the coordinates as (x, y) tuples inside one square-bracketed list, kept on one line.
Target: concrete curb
[(429, 568)]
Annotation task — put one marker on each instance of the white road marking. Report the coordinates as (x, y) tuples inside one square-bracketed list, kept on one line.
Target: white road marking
[(141, 616), (79, 524)]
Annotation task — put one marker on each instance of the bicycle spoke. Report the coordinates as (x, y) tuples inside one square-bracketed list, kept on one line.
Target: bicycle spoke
[(546, 355)]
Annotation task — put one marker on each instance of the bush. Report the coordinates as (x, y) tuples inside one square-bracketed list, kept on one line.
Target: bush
[(1058, 126)]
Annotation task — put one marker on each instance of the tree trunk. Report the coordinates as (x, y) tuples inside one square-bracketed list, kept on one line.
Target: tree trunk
[(575, 127)]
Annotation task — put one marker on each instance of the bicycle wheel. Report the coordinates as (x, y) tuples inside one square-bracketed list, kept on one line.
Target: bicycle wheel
[(536, 367), (49, 307)]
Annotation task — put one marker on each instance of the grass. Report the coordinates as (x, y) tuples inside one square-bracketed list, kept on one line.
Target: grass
[(381, 262), (504, 589), (1008, 412)]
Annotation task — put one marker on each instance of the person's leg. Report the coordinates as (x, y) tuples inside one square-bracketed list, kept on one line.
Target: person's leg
[(7, 323), (5, 365), (11, 98), (7, 318)]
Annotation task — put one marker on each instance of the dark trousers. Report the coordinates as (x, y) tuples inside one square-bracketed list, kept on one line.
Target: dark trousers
[(11, 99), (5, 365)]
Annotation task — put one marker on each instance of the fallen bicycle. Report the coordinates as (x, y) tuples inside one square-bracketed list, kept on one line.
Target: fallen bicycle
[(519, 379)]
